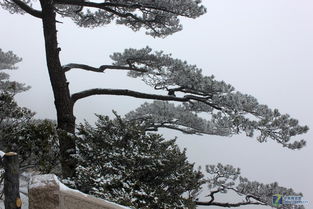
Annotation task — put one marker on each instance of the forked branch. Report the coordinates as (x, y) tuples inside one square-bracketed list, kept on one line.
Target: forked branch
[(28, 9), (136, 94), (248, 201)]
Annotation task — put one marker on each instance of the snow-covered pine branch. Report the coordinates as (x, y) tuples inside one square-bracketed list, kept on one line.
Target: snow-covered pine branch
[(226, 178), (8, 61), (159, 18), (228, 110)]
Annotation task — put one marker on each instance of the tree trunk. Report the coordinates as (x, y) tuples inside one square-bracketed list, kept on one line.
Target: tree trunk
[(62, 98), (11, 181)]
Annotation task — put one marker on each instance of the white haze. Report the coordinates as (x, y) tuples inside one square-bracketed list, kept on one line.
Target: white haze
[(263, 48)]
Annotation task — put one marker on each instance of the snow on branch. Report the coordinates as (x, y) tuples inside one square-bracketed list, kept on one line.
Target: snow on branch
[(167, 73), (8, 60), (126, 92), (162, 114), (160, 17), (21, 6), (100, 69), (166, 115), (227, 109), (225, 178)]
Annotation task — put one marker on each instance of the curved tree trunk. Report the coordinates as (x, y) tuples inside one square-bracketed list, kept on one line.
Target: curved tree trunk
[(63, 101)]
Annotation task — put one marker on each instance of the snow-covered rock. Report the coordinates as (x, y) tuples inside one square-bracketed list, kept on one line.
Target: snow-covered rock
[(46, 191)]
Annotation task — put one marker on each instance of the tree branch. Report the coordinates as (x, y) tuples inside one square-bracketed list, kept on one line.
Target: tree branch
[(126, 92), (28, 9), (257, 201), (100, 69), (228, 205), (115, 7), (155, 128), (105, 5), (136, 94)]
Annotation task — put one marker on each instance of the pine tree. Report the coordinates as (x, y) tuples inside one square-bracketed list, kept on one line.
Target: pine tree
[(230, 112), (35, 141)]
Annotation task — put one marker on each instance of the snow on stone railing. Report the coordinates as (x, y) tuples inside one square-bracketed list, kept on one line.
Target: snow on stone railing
[(46, 191)]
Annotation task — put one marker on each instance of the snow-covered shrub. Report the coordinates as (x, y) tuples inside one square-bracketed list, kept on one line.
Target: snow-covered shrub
[(120, 162), (36, 143)]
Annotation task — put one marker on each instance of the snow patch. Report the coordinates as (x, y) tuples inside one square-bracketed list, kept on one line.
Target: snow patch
[(2, 153), (41, 180), (65, 188)]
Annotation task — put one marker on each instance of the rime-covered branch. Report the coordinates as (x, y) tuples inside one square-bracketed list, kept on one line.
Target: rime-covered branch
[(172, 75), (122, 92), (127, 5), (162, 114), (166, 115), (228, 110), (136, 94), (19, 6), (225, 178), (160, 18), (8, 61)]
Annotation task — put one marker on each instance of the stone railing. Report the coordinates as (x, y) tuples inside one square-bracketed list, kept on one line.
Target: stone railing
[(46, 191)]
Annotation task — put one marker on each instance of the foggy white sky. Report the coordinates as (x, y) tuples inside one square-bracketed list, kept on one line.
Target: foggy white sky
[(263, 48)]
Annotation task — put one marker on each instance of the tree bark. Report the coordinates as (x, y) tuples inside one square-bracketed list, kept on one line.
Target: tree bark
[(11, 181), (62, 98)]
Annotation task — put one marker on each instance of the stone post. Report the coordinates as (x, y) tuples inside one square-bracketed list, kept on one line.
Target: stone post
[(11, 181)]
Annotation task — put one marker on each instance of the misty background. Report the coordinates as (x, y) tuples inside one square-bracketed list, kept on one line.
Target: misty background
[(262, 48)]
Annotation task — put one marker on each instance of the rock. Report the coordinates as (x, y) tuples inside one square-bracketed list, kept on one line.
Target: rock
[(43, 192)]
